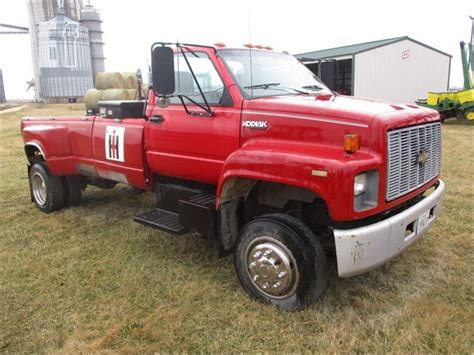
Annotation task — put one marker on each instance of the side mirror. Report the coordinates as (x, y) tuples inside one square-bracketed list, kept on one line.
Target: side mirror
[(162, 66)]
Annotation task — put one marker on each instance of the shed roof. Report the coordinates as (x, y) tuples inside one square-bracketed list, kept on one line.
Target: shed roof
[(358, 48)]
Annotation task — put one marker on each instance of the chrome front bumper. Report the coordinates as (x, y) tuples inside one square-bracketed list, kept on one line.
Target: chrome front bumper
[(362, 249)]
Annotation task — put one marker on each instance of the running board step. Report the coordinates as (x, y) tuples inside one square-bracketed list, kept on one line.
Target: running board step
[(163, 220), (198, 213), (205, 199)]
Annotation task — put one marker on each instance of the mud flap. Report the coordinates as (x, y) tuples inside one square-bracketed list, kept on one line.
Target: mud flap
[(228, 226), (29, 183)]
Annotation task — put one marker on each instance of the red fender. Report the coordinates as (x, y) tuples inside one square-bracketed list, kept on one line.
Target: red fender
[(325, 170), (53, 142)]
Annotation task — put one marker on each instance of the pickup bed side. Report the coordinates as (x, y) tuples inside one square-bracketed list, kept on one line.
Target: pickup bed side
[(90, 146)]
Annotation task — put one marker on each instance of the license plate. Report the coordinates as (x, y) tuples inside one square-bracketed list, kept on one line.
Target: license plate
[(423, 221)]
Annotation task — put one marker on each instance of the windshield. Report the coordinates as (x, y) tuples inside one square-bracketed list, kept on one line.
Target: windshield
[(270, 73)]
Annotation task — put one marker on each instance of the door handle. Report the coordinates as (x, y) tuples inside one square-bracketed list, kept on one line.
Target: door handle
[(156, 119)]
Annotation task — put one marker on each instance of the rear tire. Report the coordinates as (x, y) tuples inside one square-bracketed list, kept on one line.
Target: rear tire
[(47, 189), (279, 261)]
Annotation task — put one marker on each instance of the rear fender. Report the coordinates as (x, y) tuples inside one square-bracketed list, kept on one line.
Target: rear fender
[(34, 150), (52, 142)]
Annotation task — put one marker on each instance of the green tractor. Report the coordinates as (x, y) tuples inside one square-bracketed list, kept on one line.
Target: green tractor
[(459, 104)]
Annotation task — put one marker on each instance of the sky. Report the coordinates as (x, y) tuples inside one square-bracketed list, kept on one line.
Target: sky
[(130, 27)]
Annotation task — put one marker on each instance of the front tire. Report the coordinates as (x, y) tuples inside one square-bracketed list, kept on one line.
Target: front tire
[(279, 261), (47, 189)]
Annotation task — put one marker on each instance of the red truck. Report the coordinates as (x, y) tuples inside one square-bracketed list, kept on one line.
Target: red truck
[(247, 146)]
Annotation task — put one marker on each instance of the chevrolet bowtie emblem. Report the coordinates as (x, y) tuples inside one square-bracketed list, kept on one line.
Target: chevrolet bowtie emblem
[(423, 157)]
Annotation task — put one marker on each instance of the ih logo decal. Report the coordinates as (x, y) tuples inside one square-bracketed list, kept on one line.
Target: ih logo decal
[(114, 139)]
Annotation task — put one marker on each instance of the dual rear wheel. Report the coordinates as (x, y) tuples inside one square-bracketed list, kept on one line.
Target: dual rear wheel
[(50, 192)]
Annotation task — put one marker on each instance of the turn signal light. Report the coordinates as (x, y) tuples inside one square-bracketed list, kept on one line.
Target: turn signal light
[(351, 143)]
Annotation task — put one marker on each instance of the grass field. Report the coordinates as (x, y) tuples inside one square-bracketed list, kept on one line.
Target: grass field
[(89, 279)]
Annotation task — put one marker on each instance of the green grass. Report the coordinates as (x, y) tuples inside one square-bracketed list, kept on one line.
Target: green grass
[(89, 279)]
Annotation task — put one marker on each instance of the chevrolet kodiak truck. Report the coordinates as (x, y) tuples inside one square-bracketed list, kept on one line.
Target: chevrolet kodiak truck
[(247, 146)]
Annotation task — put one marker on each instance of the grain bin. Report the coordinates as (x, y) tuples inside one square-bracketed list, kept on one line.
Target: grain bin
[(90, 17), (64, 60), (42, 11), (2, 89)]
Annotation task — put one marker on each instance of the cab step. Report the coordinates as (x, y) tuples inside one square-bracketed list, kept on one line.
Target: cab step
[(198, 213), (205, 199), (164, 220)]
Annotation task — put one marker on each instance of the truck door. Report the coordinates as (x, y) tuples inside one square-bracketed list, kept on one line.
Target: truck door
[(192, 147), (118, 150)]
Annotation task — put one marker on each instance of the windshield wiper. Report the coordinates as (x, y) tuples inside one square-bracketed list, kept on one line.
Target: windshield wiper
[(271, 86), (296, 90), (312, 87), (261, 86)]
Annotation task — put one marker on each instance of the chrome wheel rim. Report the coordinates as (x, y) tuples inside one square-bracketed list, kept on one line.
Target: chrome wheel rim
[(39, 189), (272, 267)]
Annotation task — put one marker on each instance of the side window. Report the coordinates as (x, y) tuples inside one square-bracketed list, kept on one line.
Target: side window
[(206, 74)]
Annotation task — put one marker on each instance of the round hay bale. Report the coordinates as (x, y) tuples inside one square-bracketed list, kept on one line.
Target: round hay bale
[(109, 80), (115, 95), (92, 98), (132, 93), (130, 80)]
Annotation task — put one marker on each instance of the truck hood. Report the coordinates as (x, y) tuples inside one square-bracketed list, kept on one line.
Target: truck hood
[(351, 110), (326, 119)]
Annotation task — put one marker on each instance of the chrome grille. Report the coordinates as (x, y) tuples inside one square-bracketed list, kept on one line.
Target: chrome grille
[(405, 173)]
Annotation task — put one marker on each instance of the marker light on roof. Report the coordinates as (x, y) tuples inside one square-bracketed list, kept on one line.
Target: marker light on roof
[(268, 48), (248, 45), (219, 44)]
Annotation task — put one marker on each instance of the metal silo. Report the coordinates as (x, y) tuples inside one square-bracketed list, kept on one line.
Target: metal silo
[(64, 59), (90, 18), (41, 11), (2, 89)]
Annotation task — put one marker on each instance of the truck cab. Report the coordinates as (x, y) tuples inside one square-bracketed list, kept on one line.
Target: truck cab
[(247, 146)]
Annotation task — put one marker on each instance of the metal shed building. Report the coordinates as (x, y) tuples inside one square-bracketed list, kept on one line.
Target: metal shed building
[(398, 69)]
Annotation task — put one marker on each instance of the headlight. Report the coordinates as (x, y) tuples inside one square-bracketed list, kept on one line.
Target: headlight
[(366, 190), (360, 184)]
